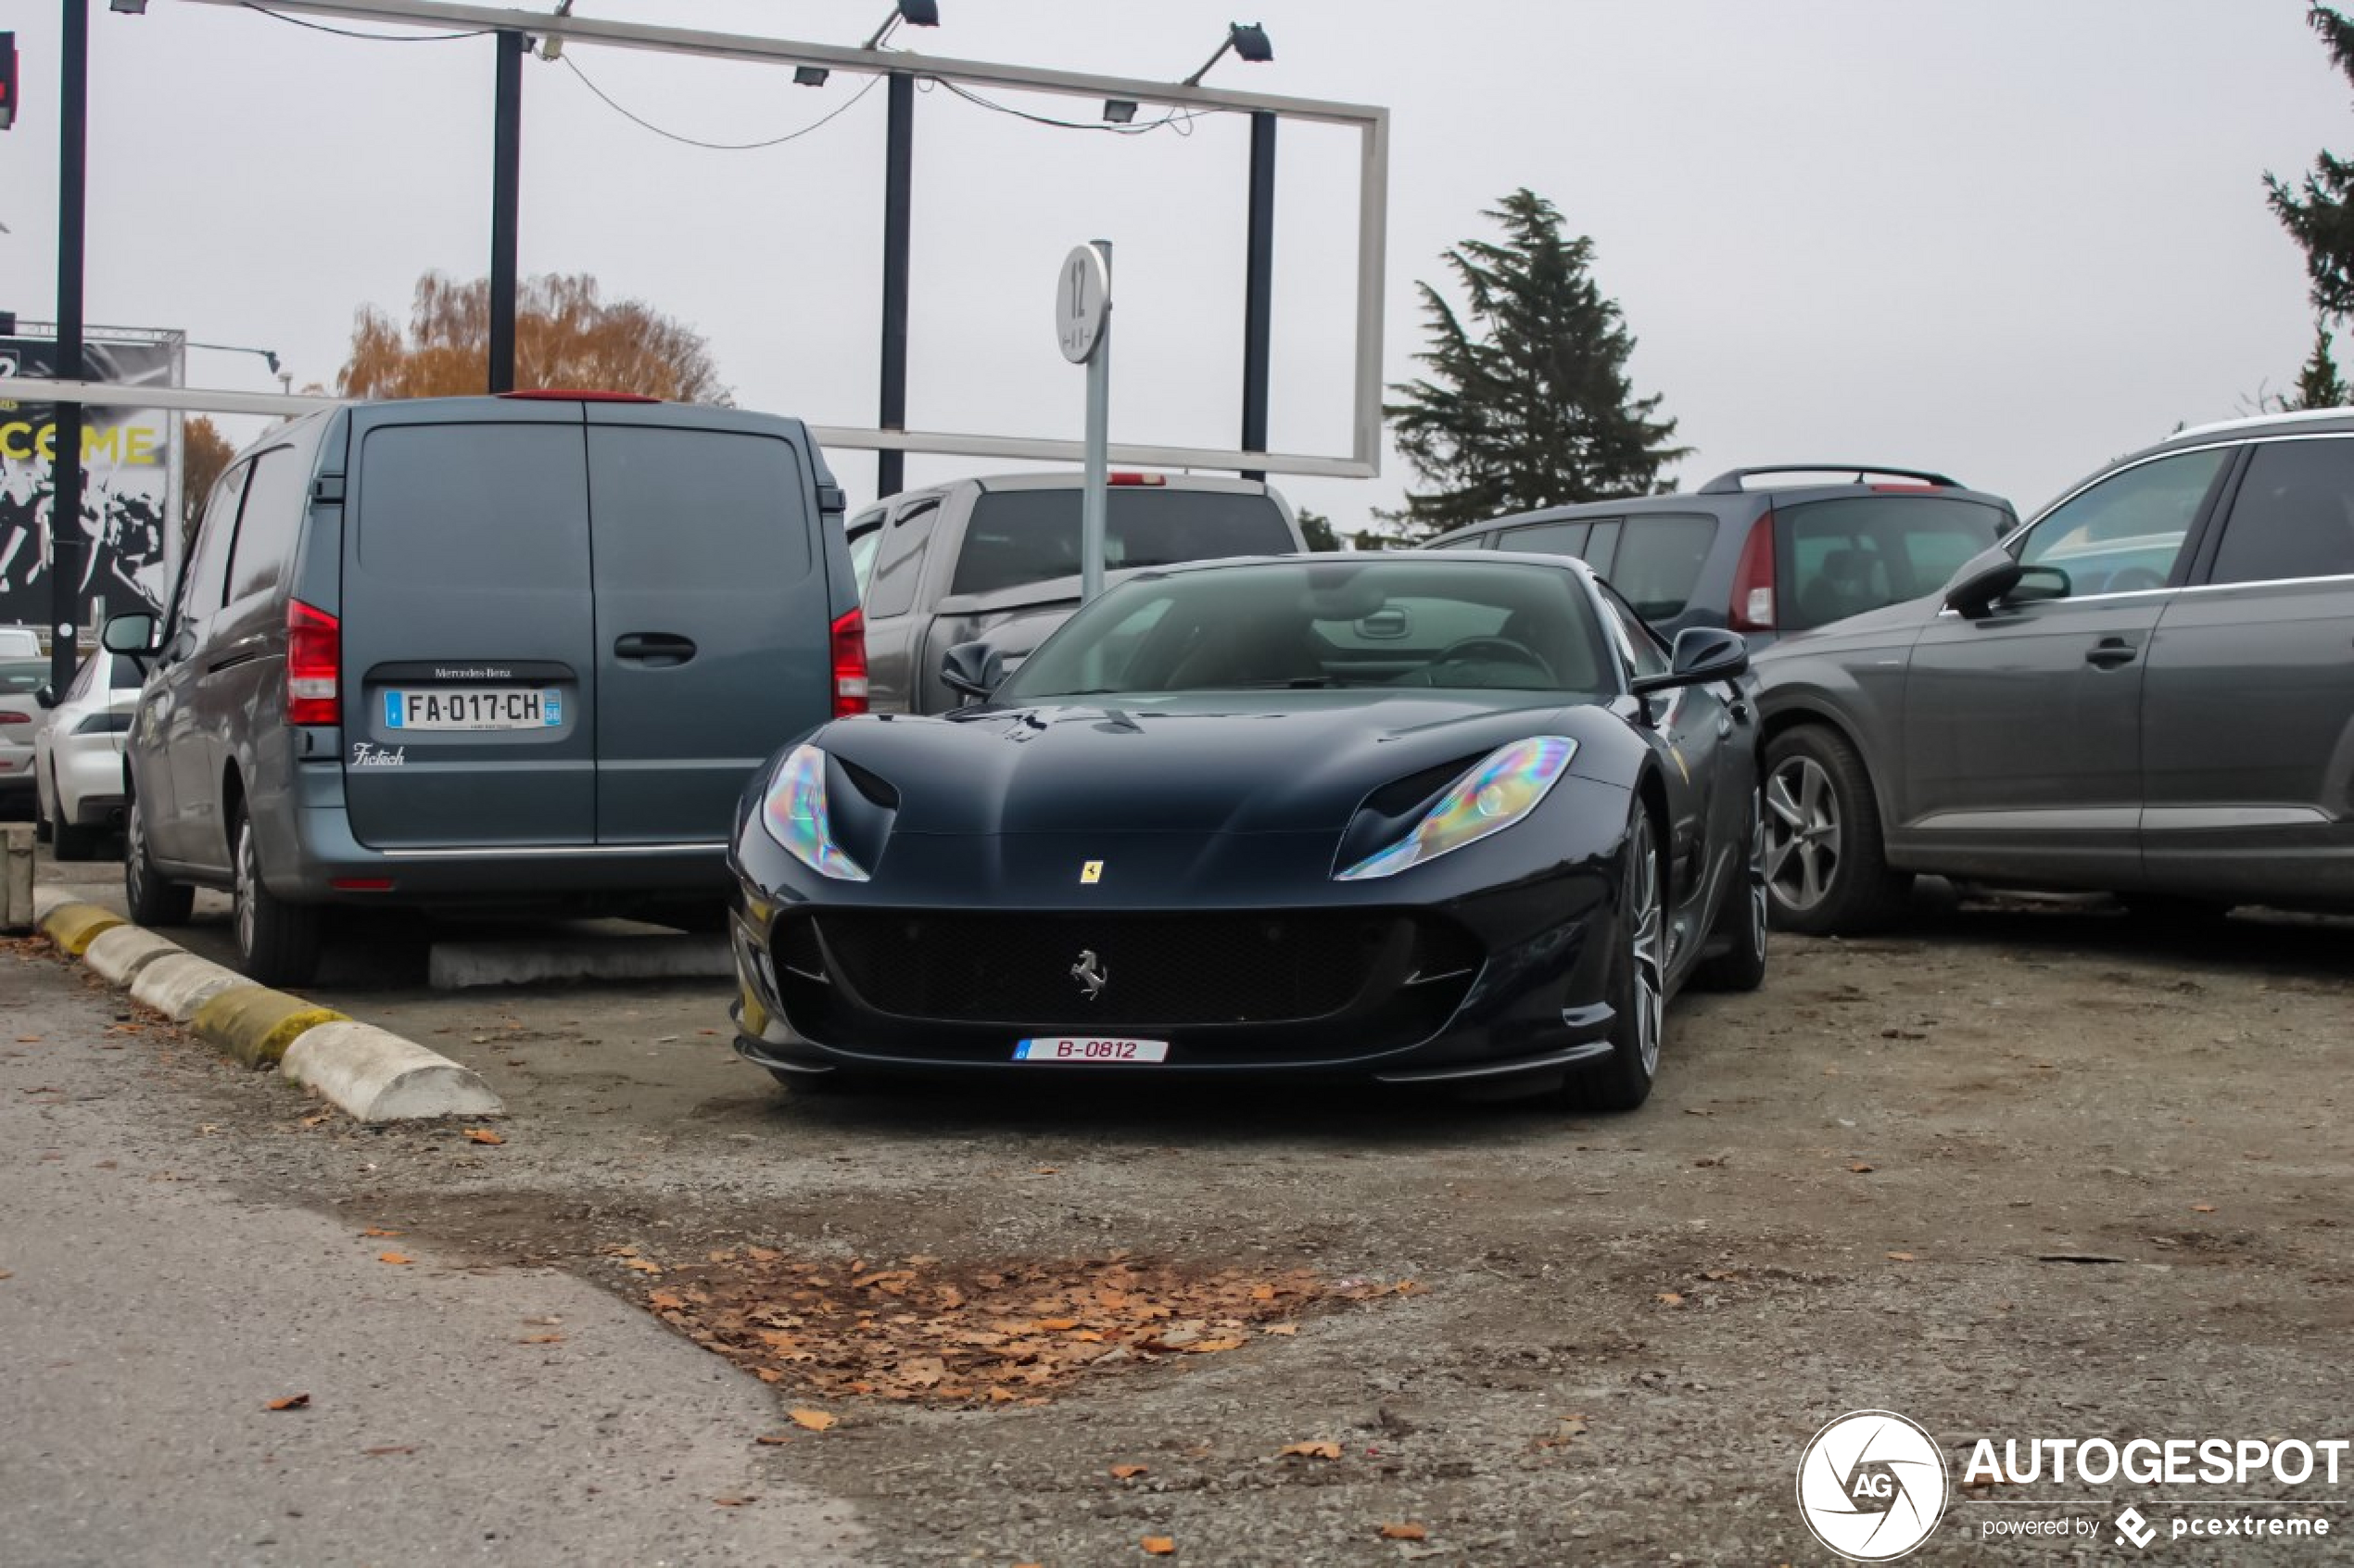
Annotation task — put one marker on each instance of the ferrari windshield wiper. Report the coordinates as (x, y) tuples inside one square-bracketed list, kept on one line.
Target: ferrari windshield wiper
[(1299, 683)]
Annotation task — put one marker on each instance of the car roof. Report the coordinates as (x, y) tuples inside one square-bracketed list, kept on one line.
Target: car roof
[(2301, 421), (1725, 492), (1569, 564)]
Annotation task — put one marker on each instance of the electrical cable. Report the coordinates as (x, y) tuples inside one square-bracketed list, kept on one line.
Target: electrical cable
[(370, 37), (718, 146), (1179, 120)]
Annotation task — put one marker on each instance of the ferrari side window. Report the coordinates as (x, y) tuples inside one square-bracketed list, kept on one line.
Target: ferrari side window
[(1640, 649)]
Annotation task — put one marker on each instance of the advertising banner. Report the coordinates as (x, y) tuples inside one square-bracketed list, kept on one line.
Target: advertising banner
[(130, 484)]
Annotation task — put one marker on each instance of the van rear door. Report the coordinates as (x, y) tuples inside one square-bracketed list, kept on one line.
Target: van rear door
[(713, 644), (468, 630)]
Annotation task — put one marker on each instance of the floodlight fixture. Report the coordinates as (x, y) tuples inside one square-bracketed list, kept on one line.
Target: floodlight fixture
[(1247, 39), (128, 8), (810, 76), (1120, 112), (915, 13)]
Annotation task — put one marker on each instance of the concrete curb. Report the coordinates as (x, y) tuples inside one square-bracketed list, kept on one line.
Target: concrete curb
[(365, 1071), (119, 952), (71, 925), (256, 1024), (177, 985), (47, 900), (376, 1076)]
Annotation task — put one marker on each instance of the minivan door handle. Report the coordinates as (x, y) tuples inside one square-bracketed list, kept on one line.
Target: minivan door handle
[(2109, 652), (657, 648)]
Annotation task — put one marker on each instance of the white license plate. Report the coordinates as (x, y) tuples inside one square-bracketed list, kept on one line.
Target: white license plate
[(1083, 1049), (472, 707)]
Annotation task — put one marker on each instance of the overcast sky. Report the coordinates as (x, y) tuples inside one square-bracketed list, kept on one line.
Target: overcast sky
[(2003, 238)]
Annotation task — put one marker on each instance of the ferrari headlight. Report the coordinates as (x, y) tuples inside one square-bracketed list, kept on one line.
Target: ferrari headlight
[(1500, 792), (794, 812)]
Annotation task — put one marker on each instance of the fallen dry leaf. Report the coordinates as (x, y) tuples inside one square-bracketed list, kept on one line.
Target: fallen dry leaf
[(1407, 1532), (483, 1135), (378, 1230), (2202, 1208), (1287, 1330), (774, 1439), (1126, 1471), (1860, 1168), (390, 1449), (813, 1421), (730, 1502), (1159, 1546), (641, 1265), (1308, 1451), (1902, 1258), (1670, 1298), (666, 1301), (291, 1402), (394, 1258), (542, 1339)]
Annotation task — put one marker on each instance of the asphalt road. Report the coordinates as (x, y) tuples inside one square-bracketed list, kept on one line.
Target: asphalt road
[(152, 1304)]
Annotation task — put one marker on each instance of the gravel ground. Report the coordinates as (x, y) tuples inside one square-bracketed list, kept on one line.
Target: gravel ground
[(2022, 1170)]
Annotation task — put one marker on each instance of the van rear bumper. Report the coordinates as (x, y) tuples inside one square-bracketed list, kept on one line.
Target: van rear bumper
[(327, 854)]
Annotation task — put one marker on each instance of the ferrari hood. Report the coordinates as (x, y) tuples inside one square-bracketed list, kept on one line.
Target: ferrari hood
[(1286, 762)]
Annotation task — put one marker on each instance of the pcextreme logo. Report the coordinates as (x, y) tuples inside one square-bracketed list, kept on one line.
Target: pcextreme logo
[(1871, 1486)]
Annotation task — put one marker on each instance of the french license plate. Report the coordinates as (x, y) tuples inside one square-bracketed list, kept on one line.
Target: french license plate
[(472, 707), (1083, 1049)]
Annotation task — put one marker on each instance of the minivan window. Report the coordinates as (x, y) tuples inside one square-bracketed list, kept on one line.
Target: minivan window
[(501, 503), (1857, 553), (696, 509), (2121, 536), (206, 575), (1546, 538), (1018, 537), (1658, 561), (891, 591), (267, 528), (2294, 517)]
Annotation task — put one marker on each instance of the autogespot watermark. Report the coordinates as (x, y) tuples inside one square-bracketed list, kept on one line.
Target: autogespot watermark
[(1873, 1485)]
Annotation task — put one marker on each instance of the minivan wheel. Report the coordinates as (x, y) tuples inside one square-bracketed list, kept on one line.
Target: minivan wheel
[(1825, 865), (152, 898), (277, 942), (1622, 1080)]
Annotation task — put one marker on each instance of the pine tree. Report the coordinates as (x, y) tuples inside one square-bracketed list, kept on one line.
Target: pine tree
[(1527, 402), (2320, 218), (2319, 384)]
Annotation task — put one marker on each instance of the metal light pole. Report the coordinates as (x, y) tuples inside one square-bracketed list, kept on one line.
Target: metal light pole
[(899, 152), (506, 185), (68, 549), (1259, 288)]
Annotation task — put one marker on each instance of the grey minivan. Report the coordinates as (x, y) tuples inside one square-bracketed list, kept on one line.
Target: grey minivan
[(522, 650), (2148, 691)]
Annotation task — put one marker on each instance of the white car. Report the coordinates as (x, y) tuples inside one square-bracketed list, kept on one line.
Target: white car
[(78, 760), (20, 678), (21, 642)]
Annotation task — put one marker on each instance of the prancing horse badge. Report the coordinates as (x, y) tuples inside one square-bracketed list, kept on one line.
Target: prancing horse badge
[(1091, 873)]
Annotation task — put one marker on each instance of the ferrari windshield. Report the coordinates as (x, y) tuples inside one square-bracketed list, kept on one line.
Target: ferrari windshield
[(1330, 621)]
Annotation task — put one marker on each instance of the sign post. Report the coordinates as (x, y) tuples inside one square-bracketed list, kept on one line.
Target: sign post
[(1083, 328)]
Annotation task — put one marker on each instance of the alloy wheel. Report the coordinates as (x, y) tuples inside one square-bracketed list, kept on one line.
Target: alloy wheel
[(1802, 831), (1758, 896), (134, 855), (248, 885), (1646, 929)]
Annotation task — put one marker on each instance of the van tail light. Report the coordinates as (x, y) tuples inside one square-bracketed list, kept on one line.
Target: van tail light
[(850, 663), (1753, 608), (314, 665)]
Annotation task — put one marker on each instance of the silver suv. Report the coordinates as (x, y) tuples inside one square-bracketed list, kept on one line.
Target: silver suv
[(2147, 690)]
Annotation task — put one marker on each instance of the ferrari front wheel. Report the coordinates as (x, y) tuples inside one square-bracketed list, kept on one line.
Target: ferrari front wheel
[(1639, 981)]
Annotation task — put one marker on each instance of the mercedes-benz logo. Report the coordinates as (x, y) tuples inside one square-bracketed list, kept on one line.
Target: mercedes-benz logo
[(1091, 974)]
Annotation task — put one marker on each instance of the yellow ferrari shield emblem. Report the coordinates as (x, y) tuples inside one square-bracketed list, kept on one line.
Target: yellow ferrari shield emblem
[(1091, 873)]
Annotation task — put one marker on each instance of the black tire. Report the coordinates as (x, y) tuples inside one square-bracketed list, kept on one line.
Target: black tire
[(278, 942), (1623, 1079), (40, 819), (68, 840), (1741, 926), (152, 898), (1826, 862)]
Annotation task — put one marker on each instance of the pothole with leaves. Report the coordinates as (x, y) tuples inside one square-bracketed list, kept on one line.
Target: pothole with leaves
[(924, 1329)]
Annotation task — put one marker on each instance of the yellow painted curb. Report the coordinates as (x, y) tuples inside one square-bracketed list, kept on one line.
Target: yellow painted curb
[(71, 925), (256, 1024)]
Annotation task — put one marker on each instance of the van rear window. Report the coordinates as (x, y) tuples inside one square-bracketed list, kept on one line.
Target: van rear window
[(1859, 553), (697, 510), (449, 505), (1019, 536)]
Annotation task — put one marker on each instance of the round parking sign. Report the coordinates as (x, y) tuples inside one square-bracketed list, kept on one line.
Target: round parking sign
[(1083, 296)]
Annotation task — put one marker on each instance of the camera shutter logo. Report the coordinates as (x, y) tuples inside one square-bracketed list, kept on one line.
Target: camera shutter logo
[(1872, 1486)]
